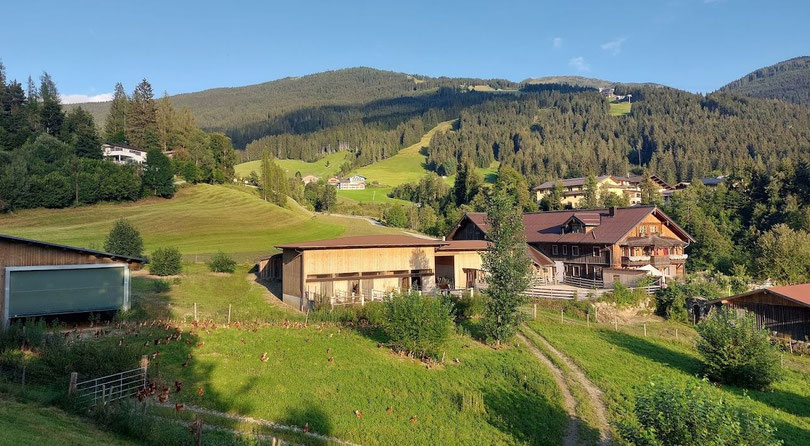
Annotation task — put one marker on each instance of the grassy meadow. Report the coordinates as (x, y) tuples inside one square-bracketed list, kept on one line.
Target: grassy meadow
[(620, 108), (323, 168), (621, 361), (29, 423), (199, 220)]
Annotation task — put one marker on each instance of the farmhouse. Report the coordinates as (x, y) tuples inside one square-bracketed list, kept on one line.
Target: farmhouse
[(306, 179), (354, 182), (784, 310), (574, 188), (40, 279), (591, 245)]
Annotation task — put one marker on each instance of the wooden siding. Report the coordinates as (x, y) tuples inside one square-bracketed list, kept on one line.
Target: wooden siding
[(15, 253), (455, 263), (789, 320), (469, 231), (292, 280)]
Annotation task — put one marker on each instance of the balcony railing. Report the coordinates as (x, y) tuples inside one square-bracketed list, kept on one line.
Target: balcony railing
[(678, 256)]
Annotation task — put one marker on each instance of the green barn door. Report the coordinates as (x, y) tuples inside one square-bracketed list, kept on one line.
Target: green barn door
[(39, 291)]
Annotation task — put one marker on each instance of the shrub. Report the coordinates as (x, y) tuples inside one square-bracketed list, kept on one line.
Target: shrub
[(222, 263), (468, 305), (165, 262), (736, 352), (676, 414), (417, 325), (623, 296), (160, 286), (124, 239)]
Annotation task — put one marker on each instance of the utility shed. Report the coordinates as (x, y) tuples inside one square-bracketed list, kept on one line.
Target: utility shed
[(40, 279), (783, 309)]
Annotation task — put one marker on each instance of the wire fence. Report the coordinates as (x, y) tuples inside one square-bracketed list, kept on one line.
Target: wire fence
[(106, 389)]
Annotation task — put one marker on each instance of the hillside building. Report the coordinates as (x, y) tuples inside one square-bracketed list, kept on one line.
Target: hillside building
[(574, 188), (783, 310), (123, 154)]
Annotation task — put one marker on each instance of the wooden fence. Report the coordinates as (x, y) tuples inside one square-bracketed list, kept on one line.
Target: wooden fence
[(106, 389)]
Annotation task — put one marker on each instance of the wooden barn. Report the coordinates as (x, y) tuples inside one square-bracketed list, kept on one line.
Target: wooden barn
[(41, 279), (784, 310), (353, 267)]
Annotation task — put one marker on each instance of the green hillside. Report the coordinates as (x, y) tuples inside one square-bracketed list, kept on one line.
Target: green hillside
[(788, 81), (199, 220), (323, 168), (25, 423)]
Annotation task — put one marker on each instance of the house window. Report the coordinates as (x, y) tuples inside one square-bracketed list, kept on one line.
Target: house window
[(565, 250), (575, 271), (596, 251), (554, 250), (653, 229), (575, 250)]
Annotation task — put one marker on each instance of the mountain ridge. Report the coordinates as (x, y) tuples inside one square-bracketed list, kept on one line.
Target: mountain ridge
[(788, 80)]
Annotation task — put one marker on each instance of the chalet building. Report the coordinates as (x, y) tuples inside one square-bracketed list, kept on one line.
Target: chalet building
[(354, 182), (306, 179), (601, 245), (574, 188), (784, 310)]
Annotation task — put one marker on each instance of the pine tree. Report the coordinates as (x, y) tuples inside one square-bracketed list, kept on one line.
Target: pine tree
[(141, 127), (124, 239), (115, 127), (591, 198), (507, 267), (51, 114), (82, 134)]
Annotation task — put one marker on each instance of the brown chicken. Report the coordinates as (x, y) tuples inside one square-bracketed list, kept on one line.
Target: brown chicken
[(264, 357)]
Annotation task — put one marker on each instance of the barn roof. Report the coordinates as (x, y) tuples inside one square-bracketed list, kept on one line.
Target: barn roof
[(613, 226), (799, 294), (365, 241), (464, 245), (537, 257), (72, 248)]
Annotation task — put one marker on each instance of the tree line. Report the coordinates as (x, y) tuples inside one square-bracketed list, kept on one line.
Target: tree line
[(52, 158)]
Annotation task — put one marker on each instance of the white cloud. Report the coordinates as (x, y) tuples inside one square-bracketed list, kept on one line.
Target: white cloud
[(556, 42), (614, 46), (80, 98), (579, 63)]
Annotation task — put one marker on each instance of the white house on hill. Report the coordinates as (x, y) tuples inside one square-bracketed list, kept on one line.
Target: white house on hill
[(123, 154)]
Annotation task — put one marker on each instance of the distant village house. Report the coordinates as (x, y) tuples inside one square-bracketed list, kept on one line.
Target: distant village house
[(574, 188)]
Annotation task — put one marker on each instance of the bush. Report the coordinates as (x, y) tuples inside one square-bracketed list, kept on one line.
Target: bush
[(165, 262), (675, 414), (623, 296), (124, 240), (736, 352), (468, 305), (222, 263), (417, 325)]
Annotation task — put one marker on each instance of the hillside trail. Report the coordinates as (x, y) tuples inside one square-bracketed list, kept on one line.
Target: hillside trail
[(570, 403), (594, 393)]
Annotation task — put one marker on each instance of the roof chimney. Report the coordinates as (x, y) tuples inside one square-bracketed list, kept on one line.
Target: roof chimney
[(612, 211)]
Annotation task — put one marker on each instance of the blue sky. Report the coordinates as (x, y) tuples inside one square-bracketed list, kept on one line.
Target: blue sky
[(183, 46)]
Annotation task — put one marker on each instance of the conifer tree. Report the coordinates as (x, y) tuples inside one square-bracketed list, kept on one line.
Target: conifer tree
[(51, 115), (142, 118), (158, 178), (115, 127)]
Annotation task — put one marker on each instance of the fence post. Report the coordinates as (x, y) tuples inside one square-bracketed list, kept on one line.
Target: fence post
[(676, 334), (534, 311), (363, 300), (588, 317), (229, 314), (596, 314), (72, 387), (195, 311), (645, 330)]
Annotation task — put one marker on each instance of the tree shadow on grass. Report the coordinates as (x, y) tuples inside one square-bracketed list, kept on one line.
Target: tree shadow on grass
[(784, 401), (528, 417), (318, 421), (791, 435), (653, 351)]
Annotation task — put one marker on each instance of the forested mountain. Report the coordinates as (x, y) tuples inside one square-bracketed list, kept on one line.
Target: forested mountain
[(243, 113), (788, 81), (675, 134), (576, 81)]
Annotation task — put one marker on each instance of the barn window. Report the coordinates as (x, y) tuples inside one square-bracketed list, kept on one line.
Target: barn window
[(565, 250), (575, 250), (555, 250)]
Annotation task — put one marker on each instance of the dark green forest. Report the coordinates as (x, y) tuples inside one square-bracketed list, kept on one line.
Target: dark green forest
[(788, 81)]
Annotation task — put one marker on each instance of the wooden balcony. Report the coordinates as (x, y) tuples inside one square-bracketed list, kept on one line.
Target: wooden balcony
[(636, 260), (584, 259)]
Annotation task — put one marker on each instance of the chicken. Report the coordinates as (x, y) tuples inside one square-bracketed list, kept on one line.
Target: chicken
[(178, 386), (200, 391), (306, 427), (413, 420), (389, 409), (179, 407), (358, 413), (330, 359), (264, 357)]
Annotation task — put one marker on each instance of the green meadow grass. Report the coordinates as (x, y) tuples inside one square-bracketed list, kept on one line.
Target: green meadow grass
[(199, 220), (29, 423), (619, 108), (318, 168), (621, 361), (372, 195)]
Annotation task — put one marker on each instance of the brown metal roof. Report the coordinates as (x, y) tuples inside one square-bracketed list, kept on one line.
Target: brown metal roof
[(72, 248), (797, 293), (546, 227), (568, 182), (365, 241), (537, 257)]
